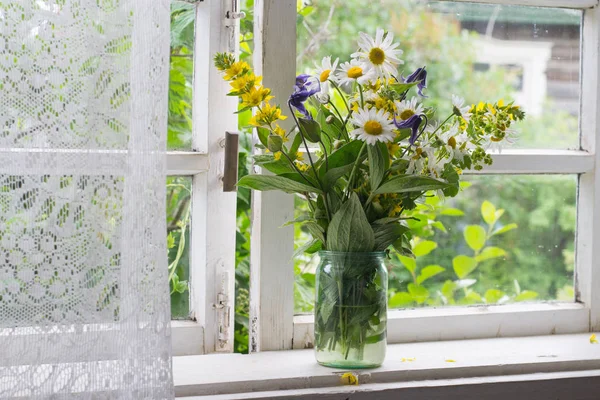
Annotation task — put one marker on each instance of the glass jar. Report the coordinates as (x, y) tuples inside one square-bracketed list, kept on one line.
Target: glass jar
[(351, 309)]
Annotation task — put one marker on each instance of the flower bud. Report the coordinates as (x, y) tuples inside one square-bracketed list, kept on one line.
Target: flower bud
[(337, 144), (275, 143), (330, 120), (324, 98)]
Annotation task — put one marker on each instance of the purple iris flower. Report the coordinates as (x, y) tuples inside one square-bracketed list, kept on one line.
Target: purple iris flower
[(420, 75), (414, 123), (305, 87)]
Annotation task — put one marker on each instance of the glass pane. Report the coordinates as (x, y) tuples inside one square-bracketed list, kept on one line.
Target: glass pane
[(481, 52), (503, 239), (183, 18), (178, 231)]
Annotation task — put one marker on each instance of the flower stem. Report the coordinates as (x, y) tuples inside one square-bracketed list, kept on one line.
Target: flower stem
[(362, 149), (335, 85)]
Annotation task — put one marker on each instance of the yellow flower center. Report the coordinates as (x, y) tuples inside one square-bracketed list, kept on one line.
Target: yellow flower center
[(452, 142), (373, 128), (495, 139), (377, 56), (406, 114), (355, 72), (324, 75)]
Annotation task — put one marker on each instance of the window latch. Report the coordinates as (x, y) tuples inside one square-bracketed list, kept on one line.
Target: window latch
[(223, 309), (234, 13), (230, 173)]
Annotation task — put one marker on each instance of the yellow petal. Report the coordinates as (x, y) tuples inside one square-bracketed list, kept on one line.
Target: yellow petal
[(450, 360), (593, 339), (350, 378)]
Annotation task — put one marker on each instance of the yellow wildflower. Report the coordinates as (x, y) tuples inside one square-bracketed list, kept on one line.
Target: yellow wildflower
[(301, 166), (393, 148), (243, 83), (279, 131), (349, 378), (593, 339), (277, 156), (266, 115), (255, 96), (236, 69), (501, 103), (450, 360), (299, 156)]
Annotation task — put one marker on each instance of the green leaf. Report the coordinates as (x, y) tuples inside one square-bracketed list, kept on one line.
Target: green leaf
[(423, 248), (471, 298), (475, 236), (310, 247), (410, 183), (274, 143), (310, 129), (409, 263), (402, 87), (332, 176), (419, 293), (463, 265), (400, 299), (349, 229), (170, 240), (505, 229), (526, 295), (345, 155), (428, 272), (448, 290), (315, 230), (386, 235), (452, 212), (378, 163), (451, 176), (489, 253), (267, 182), (492, 296), (488, 212), (263, 136), (295, 146)]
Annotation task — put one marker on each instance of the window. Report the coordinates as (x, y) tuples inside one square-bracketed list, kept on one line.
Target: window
[(200, 215), (530, 51)]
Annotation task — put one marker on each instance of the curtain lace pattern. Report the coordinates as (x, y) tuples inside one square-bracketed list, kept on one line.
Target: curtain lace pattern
[(84, 300)]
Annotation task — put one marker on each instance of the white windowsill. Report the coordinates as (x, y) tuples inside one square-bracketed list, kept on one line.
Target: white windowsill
[(477, 362)]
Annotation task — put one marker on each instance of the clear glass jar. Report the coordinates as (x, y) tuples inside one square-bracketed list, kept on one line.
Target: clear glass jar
[(351, 309)]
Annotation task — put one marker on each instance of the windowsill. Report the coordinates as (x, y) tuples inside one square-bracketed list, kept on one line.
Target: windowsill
[(295, 372)]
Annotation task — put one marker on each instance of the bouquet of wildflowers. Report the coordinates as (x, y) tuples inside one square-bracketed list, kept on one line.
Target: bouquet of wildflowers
[(364, 149)]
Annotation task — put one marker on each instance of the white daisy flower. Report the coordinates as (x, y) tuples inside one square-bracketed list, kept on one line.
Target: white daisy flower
[(460, 109), (354, 71), (373, 126), (408, 108), (456, 143), (495, 144), (416, 162), (379, 53), (326, 71), (435, 165)]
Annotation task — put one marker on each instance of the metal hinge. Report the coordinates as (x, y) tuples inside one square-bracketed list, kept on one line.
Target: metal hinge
[(223, 309)]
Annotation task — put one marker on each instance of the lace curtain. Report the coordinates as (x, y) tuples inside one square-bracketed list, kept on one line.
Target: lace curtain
[(84, 301)]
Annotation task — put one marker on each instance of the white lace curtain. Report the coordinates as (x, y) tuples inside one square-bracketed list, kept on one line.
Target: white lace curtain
[(84, 301)]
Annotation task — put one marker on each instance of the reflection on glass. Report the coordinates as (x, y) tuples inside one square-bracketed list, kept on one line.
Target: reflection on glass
[(178, 238), (479, 51), (181, 75), (504, 239)]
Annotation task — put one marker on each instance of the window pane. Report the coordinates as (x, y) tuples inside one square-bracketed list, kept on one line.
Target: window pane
[(482, 52), (178, 231), (503, 239), (183, 17)]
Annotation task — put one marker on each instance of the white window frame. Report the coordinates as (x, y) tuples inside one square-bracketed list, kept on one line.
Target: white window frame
[(213, 213), (273, 323)]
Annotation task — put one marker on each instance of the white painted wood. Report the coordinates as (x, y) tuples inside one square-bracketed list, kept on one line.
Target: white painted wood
[(515, 161), (186, 163), (272, 269), (213, 227), (587, 271), (187, 338), (297, 369), (579, 385), (577, 4), (478, 322)]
